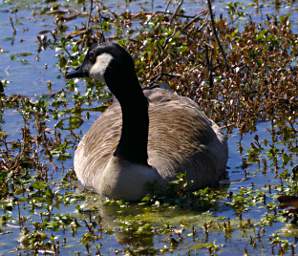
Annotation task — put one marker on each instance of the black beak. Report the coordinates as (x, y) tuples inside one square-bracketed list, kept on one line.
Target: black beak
[(77, 73)]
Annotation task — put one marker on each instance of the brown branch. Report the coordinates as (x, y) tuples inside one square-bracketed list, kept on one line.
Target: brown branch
[(90, 14), (216, 35), (13, 26), (195, 19), (209, 65), (157, 77), (101, 18), (176, 11), (167, 6)]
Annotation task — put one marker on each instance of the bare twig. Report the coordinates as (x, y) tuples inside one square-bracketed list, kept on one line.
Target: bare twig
[(90, 14), (12, 25), (152, 6), (153, 80), (176, 11), (195, 19), (216, 35), (209, 65), (101, 18), (68, 53), (170, 13), (76, 33), (1, 88), (168, 5)]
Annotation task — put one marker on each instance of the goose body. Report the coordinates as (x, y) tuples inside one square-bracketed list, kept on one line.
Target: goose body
[(145, 136)]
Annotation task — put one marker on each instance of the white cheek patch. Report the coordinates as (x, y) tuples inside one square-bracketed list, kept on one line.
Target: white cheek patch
[(99, 68)]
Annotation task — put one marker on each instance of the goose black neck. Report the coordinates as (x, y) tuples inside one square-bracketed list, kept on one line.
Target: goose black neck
[(135, 121)]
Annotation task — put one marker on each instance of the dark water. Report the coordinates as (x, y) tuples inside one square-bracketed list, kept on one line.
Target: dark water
[(28, 72)]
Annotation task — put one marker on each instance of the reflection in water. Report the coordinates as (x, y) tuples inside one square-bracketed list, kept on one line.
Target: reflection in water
[(139, 225)]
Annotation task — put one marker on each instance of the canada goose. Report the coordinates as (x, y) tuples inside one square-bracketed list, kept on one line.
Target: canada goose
[(159, 135)]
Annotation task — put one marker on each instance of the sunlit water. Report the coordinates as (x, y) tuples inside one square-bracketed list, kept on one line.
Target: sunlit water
[(28, 75)]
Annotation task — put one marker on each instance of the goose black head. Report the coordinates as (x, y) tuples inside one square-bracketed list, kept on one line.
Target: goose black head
[(107, 62)]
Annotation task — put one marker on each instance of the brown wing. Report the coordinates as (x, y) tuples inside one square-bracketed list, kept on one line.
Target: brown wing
[(181, 138)]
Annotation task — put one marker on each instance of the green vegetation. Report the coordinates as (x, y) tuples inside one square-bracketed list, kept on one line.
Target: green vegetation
[(246, 81)]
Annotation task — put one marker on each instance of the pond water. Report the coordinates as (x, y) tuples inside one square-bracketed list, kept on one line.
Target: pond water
[(129, 228)]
